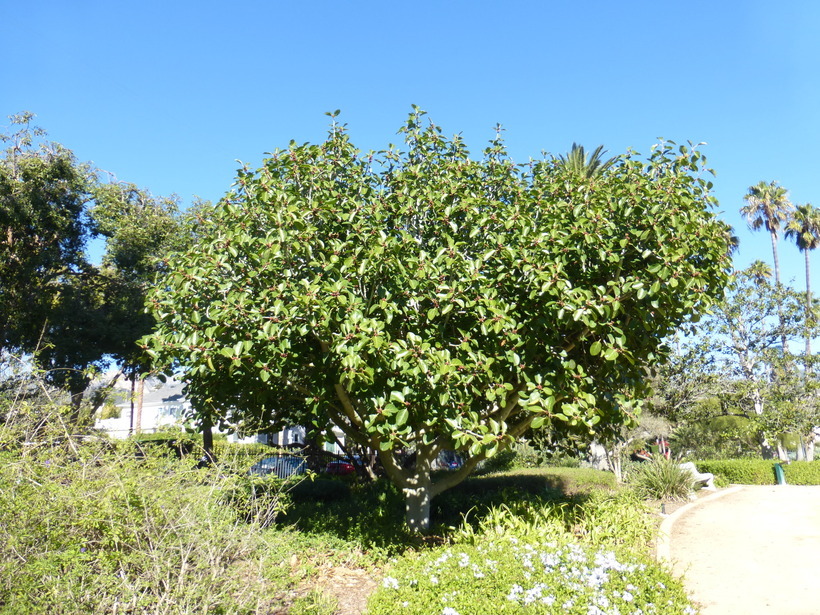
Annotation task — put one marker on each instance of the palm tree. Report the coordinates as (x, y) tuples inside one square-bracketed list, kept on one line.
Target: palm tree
[(804, 228), (759, 271), (767, 205), (588, 167)]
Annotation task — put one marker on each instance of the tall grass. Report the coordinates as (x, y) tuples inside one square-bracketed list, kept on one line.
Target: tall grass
[(662, 479), (89, 527)]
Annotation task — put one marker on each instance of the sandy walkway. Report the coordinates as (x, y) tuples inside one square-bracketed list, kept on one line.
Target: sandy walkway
[(749, 550)]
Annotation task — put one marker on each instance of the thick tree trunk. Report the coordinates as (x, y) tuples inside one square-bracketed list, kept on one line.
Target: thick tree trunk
[(418, 495), (208, 444), (417, 507), (809, 446)]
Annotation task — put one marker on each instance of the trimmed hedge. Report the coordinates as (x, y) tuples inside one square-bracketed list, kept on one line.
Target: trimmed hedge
[(802, 472), (740, 471), (760, 471)]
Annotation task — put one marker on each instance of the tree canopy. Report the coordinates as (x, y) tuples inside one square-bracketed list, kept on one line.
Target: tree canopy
[(423, 300), (736, 364), (55, 304)]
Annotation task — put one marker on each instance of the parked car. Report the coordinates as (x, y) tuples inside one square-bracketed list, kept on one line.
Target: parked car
[(340, 467), (283, 466)]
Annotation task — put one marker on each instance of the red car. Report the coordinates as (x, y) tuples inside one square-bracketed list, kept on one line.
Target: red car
[(340, 467)]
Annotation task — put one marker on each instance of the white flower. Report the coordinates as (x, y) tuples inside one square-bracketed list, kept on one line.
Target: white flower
[(433, 579), (627, 596), (515, 591), (449, 611), (390, 582)]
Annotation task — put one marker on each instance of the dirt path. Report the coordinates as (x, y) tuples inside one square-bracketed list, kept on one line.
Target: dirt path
[(749, 550)]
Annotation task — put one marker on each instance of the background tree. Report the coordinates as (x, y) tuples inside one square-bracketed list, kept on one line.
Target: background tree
[(767, 206), (804, 228), (734, 366), (43, 193), (138, 229), (72, 316), (422, 300), (587, 166)]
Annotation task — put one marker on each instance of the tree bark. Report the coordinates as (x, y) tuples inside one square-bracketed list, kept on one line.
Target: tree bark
[(777, 284), (418, 495), (808, 310), (140, 395)]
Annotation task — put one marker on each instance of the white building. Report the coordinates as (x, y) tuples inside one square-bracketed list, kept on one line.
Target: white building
[(164, 405)]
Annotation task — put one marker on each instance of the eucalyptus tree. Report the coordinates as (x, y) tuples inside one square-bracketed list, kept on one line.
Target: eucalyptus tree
[(733, 364), (804, 228), (424, 300)]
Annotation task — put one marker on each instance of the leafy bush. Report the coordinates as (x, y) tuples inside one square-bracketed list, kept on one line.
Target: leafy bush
[(258, 499), (601, 519), (724, 437), (507, 575), (615, 520), (369, 516), (561, 461), (740, 471), (802, 472), (321, 489), (500, 462), (89, 530), (662, 479)]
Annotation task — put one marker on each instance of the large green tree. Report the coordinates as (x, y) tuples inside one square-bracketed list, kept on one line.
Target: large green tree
[(423, 300), (43, 194), (734, 365), (55, 304)]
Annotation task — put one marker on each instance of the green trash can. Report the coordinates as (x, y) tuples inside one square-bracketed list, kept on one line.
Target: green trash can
[(779, 474)]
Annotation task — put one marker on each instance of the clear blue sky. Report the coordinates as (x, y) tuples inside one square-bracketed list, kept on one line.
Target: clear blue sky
[(169, 95)]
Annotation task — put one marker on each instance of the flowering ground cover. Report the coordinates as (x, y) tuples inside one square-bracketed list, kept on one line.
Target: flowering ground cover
[(513, 576)]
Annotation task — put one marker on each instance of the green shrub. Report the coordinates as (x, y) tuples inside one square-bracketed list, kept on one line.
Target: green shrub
[(507, 575), (661, 479), (723, 437), (88, 530), (500, 462), (616, 521), (259, 499), (740, 471), (320, 490), (802, 472), (371, 517), (561, 461)]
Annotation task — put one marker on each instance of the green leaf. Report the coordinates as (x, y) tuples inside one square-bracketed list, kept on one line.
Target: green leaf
[(595, 348)]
